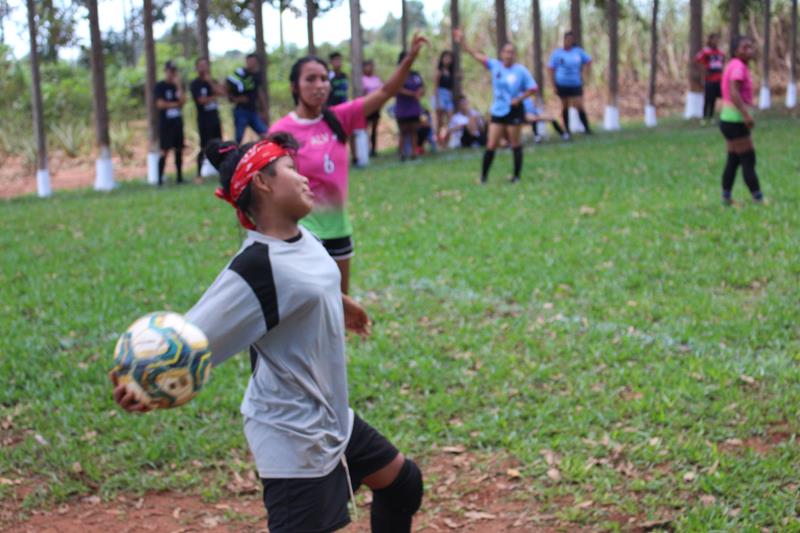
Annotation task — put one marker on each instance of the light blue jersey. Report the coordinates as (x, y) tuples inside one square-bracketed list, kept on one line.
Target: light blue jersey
[(530, 107), (567, 65), (508, 83)]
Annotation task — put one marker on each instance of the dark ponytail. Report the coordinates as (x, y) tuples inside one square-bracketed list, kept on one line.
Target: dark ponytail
[(327, 115)]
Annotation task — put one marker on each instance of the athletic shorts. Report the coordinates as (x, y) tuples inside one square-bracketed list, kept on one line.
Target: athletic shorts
[(444, 99), (734, 130), (408, 120), (209, 128), (341, 248), (569, 92), (170, 134), (515, 116), (320, 504)]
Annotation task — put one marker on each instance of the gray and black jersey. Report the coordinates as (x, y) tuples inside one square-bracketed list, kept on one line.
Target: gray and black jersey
[(282, 299)]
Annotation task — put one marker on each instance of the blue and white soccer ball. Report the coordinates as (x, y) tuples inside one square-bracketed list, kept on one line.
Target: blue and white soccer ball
[(163, 359)]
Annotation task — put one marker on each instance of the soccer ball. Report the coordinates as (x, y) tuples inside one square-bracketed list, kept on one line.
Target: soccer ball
[(163, 359)]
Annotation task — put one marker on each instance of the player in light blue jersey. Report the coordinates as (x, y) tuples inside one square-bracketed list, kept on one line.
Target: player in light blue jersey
[(566, 70), (511, 84)]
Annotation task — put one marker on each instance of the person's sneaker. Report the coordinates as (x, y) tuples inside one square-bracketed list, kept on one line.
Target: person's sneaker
[(513, 179), (566, 136), (537, 139), (727, 202), (759, 200), (483, 180)]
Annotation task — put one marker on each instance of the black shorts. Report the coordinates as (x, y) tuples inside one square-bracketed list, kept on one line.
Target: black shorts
[(408, 120), (170, 134), (713, 89), (209, 128), (515, 116), (340, 248), (320, 504), (569, 92), (734, 130)]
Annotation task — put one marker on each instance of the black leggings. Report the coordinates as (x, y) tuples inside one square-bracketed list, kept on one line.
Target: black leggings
[(713, 91)]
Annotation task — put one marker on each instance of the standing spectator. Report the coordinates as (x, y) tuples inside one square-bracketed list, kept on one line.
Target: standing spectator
[(713, 59), (443, 98), (204, 92), (566, 69), (169, 101), (339, 84), (408, 110), (243, 90), (511, 84), (370, 82)]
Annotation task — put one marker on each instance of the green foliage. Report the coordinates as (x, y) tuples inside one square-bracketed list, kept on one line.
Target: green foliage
[(607, 310), (72, 138)]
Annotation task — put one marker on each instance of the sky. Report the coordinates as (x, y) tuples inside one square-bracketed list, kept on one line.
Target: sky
[(333, 26)]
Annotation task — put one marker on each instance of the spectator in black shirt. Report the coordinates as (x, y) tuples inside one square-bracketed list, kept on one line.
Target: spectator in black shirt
[(204, 92), (339, 85), (243, 90), (169, 101)]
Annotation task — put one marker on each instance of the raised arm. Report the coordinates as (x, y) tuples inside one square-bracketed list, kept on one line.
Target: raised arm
[(480, 57), (375, 100)]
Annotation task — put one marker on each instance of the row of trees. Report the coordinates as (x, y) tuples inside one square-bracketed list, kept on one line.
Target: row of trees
[(251, 12)]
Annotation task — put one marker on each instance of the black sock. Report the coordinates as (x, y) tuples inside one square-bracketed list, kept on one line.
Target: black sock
[(584, 120), (178, 165), (517, 161), (565, 118), (535, 131), (162, 161), (488, 157), (748, 160), (200, 164), (729, 174), (557, 127)]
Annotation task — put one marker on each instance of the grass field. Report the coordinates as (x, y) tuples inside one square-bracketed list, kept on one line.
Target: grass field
[(606, 322)]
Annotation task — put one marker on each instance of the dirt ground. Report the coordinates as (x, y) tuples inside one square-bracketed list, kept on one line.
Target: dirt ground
[(465, 492)]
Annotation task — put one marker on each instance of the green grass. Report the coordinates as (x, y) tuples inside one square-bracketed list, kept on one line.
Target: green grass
[(606, 309)]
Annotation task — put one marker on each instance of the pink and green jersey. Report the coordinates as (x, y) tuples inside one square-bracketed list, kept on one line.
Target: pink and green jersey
[(735, 70), (326, 163)]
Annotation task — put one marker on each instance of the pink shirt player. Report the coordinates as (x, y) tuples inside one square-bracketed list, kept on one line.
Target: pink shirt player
[(736, 70)]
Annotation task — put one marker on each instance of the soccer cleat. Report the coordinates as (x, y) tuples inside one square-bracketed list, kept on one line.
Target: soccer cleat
[(727, 202), (566, 136), (537, 139), (513, 179)]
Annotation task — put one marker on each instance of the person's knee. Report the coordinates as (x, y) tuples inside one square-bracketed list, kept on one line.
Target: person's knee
[(403, 496)]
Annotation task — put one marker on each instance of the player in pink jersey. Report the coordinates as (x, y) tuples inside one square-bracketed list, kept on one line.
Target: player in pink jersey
[(323, 156), (736, 122)]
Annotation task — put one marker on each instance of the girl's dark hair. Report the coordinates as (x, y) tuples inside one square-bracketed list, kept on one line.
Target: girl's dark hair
[(737, 41), (224, 156), (451, 66), (327, 115)]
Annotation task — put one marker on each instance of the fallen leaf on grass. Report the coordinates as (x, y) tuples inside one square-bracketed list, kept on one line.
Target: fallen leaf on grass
[(650, 525), (77, 468), (451, 523), (479, 515), (585, 505), (454, 449), (708, 499), (734, 442), (41, 440), (210, 521), (554, 475), (688, 477), (747, 379), (586, 210), (513, 473), (176, 513), (91, 500)]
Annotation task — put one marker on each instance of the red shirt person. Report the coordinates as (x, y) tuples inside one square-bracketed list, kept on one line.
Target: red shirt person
[(713, 59)]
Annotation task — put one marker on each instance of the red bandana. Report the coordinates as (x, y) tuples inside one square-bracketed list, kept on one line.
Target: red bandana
[(257, 157)]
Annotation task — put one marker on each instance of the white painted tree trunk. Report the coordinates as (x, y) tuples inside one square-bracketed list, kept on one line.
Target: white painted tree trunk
[(575, 124), (611, 118), (764, 98), (694, 105), (43, 183), (650, 119), (152, 167), (541, 129), (362, 147), (791, 94), (104, 171)]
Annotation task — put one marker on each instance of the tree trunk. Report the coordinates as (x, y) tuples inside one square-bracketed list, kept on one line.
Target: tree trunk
[(735, 9), (311, 12), (261, 52), (765, 56), (280, 26), (455, 22), (651, 91), (42, 176), (613, 52), (538, 63), (104, 180), (793, 46), (404, 25), (500, 22), (149, 96), (356, 48), (185, 35), (575, 21), (695, 44), (202, 28)]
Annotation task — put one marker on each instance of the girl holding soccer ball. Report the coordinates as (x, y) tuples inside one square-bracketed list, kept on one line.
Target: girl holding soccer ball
[(280, 296)]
